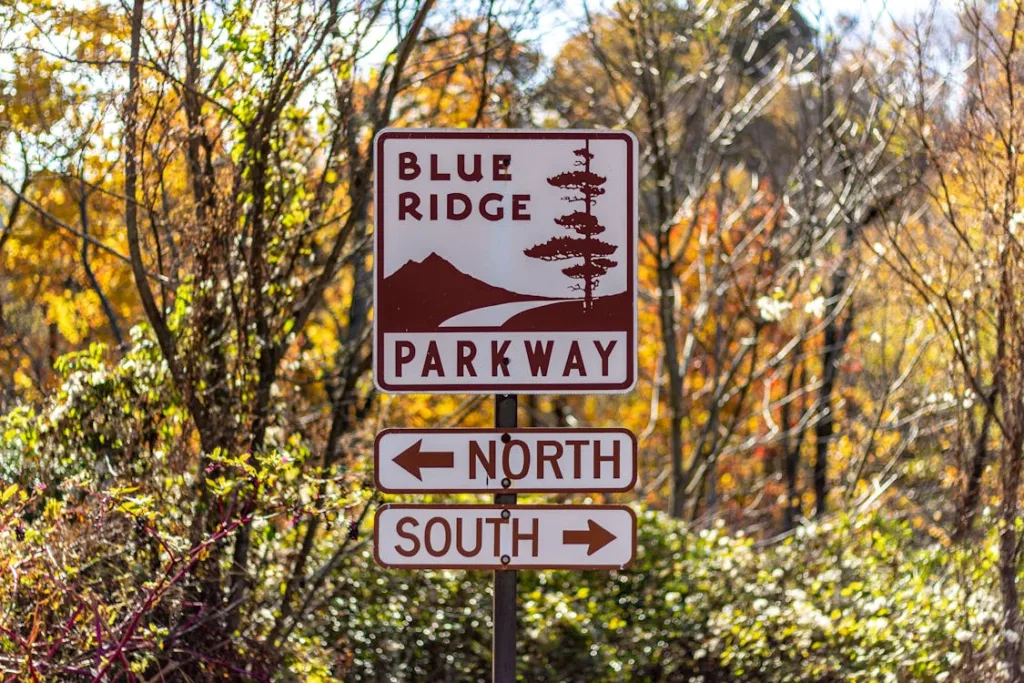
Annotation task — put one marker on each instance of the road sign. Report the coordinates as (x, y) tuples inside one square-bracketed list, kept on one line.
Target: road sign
[(504, 536), (504, 460), (505, 261)]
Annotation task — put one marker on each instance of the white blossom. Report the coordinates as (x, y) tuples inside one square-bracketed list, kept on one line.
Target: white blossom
[(773, 310), (816, 307)]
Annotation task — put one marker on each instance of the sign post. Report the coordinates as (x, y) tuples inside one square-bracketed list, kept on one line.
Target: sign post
[(503, 664), (505, 262)]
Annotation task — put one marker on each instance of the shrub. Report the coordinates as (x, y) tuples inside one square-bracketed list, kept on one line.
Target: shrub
[(852, 600)]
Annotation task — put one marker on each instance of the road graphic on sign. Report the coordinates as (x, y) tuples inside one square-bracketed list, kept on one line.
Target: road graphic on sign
[(497, 315)]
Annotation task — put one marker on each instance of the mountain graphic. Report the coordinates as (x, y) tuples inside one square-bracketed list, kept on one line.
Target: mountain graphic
[(423, 296)]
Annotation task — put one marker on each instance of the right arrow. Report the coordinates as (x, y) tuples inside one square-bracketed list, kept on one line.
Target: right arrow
[(595, 537), (412, 459)]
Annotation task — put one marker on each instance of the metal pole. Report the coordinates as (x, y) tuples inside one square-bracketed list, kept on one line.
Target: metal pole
[(503, 646)]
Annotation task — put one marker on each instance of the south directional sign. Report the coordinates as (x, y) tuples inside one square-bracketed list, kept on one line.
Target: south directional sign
[(505, 261), (505, 460), (504, 537)]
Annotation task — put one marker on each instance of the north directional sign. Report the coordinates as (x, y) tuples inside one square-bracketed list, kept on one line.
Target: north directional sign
[(504, 536), (505, 460), (505, 261)]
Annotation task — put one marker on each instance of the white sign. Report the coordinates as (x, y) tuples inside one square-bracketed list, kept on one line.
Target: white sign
[(504, 460), (504, 537), (505, 261)]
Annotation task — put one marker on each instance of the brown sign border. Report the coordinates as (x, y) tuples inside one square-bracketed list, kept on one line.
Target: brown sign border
[(496, 486), (632, 150), (498, 566)]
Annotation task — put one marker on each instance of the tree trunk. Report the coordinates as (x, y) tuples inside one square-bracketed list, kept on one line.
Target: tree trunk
[(834, 342), (823, 430), (791, 450), (972, 494), (669, 332), (1009, 554)]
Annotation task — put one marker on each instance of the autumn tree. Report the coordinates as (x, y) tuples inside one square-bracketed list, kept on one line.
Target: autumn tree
[(58, 169), (241, 199), (642, 61), (473, 71), (752, 199), (856, 168), (829, 321), (586, 186), (962, 257)]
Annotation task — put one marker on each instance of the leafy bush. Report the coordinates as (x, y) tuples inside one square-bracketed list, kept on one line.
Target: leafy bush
[(98, 510), (853, 600)]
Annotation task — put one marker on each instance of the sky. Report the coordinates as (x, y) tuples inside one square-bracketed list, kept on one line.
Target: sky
[(556, 26), (900, 9)]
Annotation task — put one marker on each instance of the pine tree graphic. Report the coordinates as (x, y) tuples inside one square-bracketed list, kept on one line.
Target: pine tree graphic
[(586, 188)]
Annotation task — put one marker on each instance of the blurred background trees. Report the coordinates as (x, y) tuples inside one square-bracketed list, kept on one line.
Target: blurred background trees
[(830, 352)]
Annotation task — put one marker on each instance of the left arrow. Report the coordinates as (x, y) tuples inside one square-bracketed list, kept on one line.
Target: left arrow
[(413, 459)]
